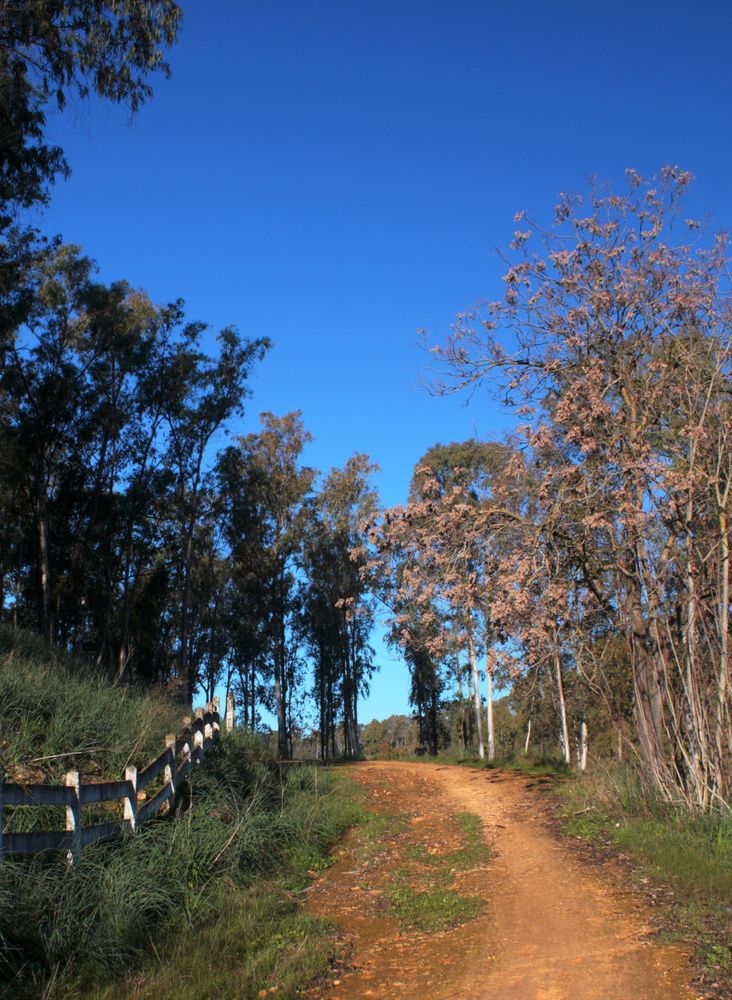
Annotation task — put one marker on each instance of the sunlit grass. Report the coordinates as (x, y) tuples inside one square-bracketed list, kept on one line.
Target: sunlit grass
[(691, 854), (421, 896), (433, 909), (219, 884)]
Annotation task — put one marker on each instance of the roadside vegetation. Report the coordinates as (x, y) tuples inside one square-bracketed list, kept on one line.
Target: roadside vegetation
[(686, 859), (57, 714), (216, 886)]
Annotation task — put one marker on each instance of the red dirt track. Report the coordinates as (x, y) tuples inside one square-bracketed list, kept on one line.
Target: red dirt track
[(553, 929)]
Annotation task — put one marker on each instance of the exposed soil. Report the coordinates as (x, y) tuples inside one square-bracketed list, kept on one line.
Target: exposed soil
[(552, 928)]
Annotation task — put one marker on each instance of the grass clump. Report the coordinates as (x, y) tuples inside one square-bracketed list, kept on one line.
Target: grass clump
[(474, 850), (257, 940), (57, 714), (432, 909), (422, 896)]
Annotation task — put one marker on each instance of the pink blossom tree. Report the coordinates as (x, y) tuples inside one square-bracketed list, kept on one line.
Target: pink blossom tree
[(613, 341)]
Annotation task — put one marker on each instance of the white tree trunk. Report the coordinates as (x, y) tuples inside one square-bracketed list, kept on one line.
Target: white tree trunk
[(528, 737), (583, 746), (476, 694), (490, 666), (562, 706)]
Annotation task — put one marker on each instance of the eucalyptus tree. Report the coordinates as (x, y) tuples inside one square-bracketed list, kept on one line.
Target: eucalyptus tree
[(200, 393), (268, 493), (52, 51), (338, 606)]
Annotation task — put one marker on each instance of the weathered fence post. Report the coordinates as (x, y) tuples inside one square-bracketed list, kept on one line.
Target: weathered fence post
[(198, 735), (169, 772), (1, 817), (216, 705), (229, 711), (187, 745), (208, 723), (73, 815), (131, 797)]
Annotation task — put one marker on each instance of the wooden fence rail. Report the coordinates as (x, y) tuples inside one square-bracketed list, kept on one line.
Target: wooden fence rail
[(200, 734)]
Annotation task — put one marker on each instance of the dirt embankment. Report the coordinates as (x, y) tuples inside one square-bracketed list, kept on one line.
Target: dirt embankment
[(550, 929)]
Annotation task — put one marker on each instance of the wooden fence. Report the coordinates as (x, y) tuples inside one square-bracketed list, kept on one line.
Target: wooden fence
[(200, 733)]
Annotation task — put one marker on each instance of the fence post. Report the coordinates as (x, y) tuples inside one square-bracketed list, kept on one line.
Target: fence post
[(73, 815), (216, 705), (1, 817), (208, 723), (131, 797), (169, 772), (229, 711), (187, 745), (198, 735)]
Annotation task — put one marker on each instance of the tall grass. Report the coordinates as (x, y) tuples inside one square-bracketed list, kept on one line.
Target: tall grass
[(57, 714), (63, 929), (695, 852), (230, 864)]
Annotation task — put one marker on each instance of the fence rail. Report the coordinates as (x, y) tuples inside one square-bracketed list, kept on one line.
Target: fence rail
[(199, 735)]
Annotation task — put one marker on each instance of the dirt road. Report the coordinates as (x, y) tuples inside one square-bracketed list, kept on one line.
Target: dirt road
[(551, 929)]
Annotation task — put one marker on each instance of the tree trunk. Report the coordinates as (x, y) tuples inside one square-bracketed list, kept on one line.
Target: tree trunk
[(490, 666), (476, 694), (184, 671), (583, 745), (461, 703), (562, 705), (281, 674), (433, 722), (44, 573), (723, 729)]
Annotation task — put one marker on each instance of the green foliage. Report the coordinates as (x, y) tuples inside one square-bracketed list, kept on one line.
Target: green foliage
[(397, 736), (155, 890), (49, 50)]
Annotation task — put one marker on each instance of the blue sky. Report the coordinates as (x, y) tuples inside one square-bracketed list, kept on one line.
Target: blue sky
[(335, 174)]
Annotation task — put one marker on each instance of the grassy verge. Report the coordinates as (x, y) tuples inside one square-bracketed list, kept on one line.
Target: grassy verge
[(58, 715), (218, 888), (689, 856)]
